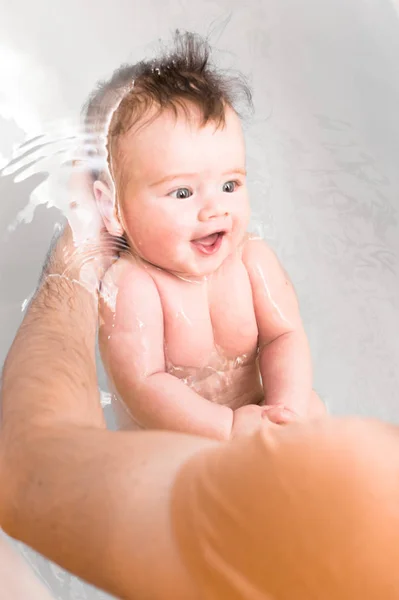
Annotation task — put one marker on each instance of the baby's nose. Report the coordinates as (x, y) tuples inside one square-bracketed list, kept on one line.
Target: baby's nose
[(213, 210)]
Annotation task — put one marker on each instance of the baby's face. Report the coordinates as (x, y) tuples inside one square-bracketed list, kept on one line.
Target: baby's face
[(184, 202)]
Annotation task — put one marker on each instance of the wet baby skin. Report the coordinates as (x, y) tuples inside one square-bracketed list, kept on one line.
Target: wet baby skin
[(200, 326)]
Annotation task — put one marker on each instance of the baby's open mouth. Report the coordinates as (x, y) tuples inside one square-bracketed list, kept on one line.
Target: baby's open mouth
[(210, 243)]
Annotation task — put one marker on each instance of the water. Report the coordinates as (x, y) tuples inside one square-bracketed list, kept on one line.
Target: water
[(322, 161)]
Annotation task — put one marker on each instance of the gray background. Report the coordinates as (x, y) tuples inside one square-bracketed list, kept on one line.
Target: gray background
[(322, 151)]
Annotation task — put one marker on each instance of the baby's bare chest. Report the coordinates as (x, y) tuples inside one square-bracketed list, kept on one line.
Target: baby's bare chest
[(209, 321)]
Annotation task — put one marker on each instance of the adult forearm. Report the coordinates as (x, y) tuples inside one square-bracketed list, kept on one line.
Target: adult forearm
[(92, 500), (97, 503), (49, 376), (52, 361)]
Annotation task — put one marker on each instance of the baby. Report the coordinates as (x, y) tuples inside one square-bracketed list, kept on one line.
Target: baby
[(204, 334)]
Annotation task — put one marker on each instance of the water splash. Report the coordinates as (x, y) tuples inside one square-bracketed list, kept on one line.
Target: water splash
[(105, 398), (56, 160), (51, 156)]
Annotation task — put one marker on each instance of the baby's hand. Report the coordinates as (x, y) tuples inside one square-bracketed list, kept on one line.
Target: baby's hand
[(247, 419), (281, 413)]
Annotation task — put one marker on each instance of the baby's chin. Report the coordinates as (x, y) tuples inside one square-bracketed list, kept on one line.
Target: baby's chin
[(189, 271), (182, 269), (198, 272), (201, 268), (189, 265)]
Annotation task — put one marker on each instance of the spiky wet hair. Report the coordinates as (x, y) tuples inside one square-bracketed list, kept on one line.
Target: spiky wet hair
[(177, 78)]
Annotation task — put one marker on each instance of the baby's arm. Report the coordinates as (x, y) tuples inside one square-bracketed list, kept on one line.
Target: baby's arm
[(285, 360), (132, 349)]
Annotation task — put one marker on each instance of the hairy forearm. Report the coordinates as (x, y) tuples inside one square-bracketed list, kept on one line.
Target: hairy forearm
[(97, 503), (286, 369), (165, 402), (52, 362), (49, 375)]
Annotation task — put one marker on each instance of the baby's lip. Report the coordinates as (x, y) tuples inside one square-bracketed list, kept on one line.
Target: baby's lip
[(207, 239), (209, 244)]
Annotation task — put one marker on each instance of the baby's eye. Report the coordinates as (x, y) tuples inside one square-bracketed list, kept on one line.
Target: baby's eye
[(229, 187), (181, 193)]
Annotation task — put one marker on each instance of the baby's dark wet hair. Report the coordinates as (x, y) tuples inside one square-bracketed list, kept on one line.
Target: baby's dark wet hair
[(176, 79)]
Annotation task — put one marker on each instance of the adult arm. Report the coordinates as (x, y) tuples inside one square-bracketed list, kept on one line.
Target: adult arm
[(94, 501), (302, 501)]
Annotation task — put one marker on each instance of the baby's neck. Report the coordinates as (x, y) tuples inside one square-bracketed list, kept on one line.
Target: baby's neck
[(188, 277)]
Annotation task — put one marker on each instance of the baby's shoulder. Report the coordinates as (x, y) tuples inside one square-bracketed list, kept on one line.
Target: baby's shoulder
[(255, 249), (127, 272), (262, 261), (127, 284)]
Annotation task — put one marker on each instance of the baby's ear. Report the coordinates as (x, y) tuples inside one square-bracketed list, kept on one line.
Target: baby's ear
[(105, 199)]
